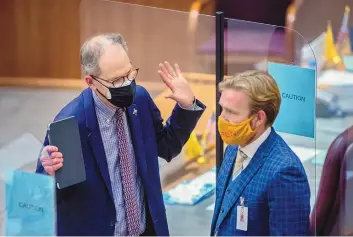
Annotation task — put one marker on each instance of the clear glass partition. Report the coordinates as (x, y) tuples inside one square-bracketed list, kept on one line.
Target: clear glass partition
[(278, 51), (154, 36), (290, 60), (27, 200)]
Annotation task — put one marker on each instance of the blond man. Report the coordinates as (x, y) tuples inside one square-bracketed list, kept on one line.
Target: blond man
[(262, 188)]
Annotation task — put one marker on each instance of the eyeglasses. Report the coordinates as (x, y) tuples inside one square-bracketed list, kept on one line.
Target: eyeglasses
[(119, 82)]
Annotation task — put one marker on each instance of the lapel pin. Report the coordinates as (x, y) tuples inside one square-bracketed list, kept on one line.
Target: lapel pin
[(135, 112)]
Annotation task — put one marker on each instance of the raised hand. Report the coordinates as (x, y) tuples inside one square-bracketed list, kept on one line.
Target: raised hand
[(174, 80)]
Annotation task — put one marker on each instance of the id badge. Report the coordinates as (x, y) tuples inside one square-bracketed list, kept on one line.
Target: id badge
[(242, 217)]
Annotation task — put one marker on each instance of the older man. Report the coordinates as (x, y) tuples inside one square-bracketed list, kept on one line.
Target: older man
[(122, 137), (262, 188)]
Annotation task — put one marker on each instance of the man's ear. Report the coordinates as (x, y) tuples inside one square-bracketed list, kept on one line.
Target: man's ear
[(260, 119), (89, 82)]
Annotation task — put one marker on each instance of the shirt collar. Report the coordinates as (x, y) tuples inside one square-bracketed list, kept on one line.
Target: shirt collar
[(106, 111), (251, 148)]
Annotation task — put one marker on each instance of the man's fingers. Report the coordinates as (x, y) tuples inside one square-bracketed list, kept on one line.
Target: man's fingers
[(57, 161), (50, 170), (57, 166), (170, 96), (56, 154), (166, 78), (51, 148), (51, 162), (177, 69), (44, 158), (53, 155), (163, 69), (51, 159), (170, 69)]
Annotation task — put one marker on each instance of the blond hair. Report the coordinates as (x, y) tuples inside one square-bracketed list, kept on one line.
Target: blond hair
[(261, 88)]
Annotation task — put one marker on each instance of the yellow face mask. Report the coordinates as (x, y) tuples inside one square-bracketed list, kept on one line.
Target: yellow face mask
[(235, 134)]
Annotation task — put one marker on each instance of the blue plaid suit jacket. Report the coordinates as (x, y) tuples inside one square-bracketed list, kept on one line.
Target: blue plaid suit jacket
[(275, 188)]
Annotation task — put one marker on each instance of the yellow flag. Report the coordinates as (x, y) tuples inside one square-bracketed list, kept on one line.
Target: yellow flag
[(331, 54), (209, 136), (193, 147)]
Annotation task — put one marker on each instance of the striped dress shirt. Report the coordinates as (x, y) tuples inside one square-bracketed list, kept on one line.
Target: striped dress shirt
[(107, 120)]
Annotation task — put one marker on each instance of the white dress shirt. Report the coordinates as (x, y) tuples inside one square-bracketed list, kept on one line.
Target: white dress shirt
[(251, 149)]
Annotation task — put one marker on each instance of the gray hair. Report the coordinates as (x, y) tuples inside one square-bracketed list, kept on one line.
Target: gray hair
[(93, 48)]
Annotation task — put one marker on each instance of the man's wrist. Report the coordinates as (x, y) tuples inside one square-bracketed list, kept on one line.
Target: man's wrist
[(188, 106)]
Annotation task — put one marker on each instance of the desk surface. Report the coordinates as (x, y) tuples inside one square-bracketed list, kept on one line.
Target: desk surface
[(335, 78)]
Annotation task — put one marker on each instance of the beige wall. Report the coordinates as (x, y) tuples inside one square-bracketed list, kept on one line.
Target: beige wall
[(41, 39)]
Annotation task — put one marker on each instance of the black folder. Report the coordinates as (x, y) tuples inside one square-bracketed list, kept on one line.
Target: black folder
[(65, 135)]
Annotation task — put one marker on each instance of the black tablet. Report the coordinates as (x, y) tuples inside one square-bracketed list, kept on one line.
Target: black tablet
[(65, 135)]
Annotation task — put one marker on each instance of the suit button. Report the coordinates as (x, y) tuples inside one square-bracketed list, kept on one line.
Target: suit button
[(228, 191), (112, 223), (222, 210)]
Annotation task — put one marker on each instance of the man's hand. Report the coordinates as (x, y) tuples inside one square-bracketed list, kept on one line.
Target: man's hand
[(181, 90), (52, 162)]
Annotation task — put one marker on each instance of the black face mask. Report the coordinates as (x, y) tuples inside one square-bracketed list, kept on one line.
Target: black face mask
[(122, 97)]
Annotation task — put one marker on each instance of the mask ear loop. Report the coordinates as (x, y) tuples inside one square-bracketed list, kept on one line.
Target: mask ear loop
[(109, 95), (126, 83), (246, 121), (251, 118)]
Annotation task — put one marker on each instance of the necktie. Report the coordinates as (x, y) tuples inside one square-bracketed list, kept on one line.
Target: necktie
[(241, 157), (127, 178)]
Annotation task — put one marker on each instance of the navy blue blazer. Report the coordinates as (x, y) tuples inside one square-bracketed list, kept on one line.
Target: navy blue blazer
[(88, 208), (275, 189)]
